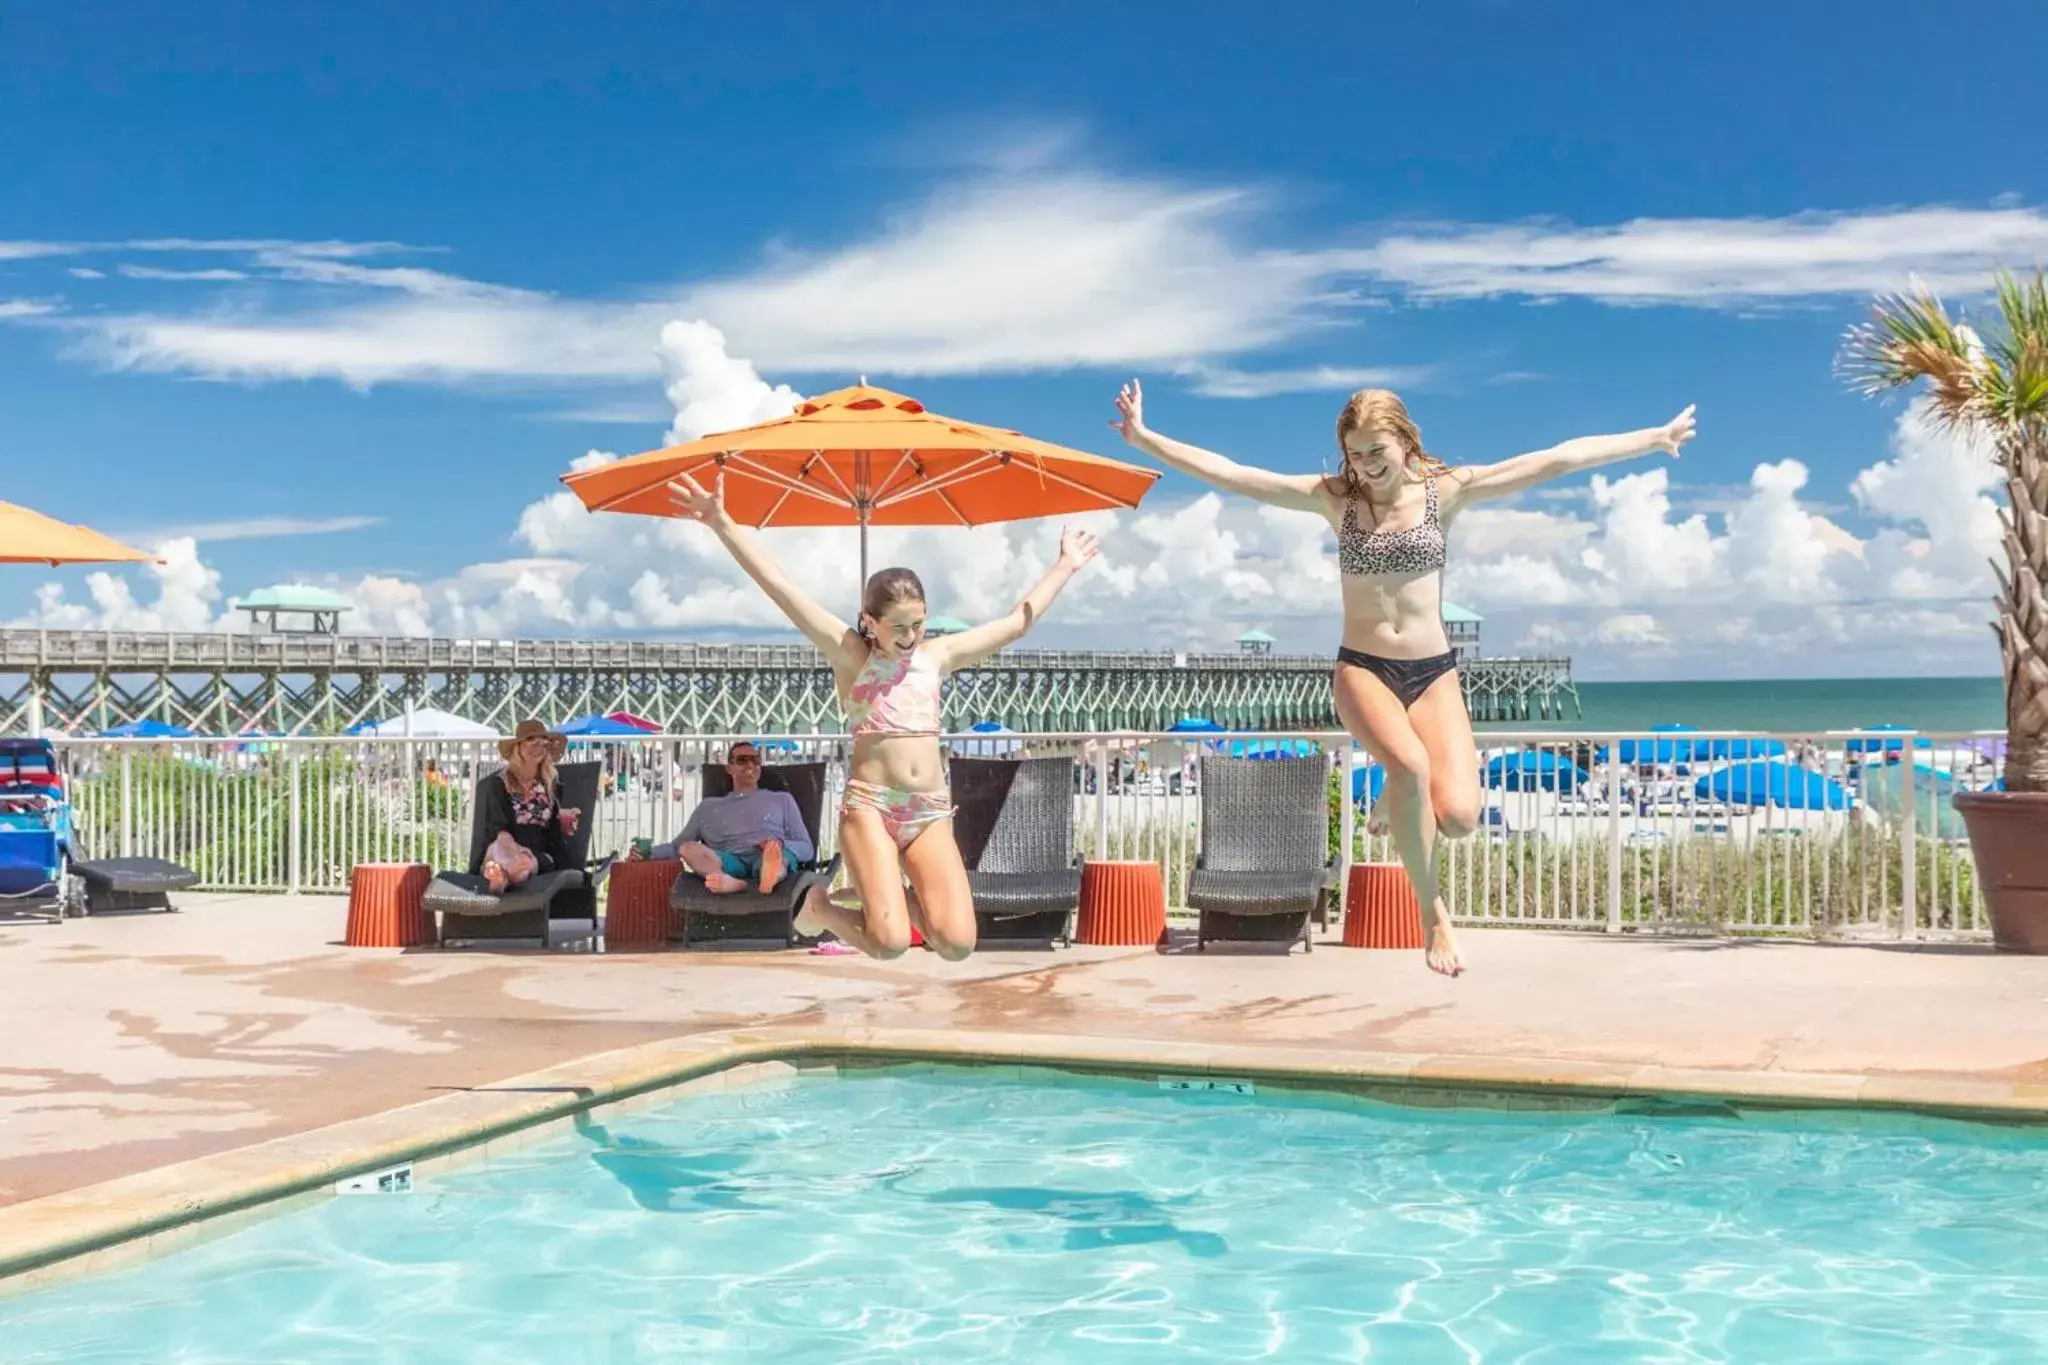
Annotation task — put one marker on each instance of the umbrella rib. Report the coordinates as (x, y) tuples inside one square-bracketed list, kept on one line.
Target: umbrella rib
[(818, 457), (1081, 487), (903, 457), (774, 507), (972, 470), (736, 458), (934, 485), (776, 478)]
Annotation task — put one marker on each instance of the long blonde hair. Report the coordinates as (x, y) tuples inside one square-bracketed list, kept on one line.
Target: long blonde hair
[(543, 773), (1379, 410)]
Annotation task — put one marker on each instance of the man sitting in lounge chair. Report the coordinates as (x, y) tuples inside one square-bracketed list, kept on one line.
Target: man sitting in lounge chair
[(750, 837)]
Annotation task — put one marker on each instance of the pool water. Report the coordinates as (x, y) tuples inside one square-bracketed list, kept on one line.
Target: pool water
[(959, 1216)]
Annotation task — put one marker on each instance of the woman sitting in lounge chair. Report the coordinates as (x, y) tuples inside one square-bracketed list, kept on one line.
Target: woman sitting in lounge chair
[(527, 825)]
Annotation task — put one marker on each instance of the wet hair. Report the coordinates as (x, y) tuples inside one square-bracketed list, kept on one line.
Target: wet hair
[(1379, 410), (887, 587)]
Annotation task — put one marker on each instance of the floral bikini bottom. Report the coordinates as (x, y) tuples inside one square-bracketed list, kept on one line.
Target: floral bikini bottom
[(905, 814)]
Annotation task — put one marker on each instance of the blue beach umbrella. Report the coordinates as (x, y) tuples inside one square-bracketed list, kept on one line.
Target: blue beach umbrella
[(1530, 770), (1194, 725), (1273, 748), (147, 729), (1774, 784), (990, 748), (1867, 744), (1741, 746), (1367, 782), (598, 727), (1663, 750)]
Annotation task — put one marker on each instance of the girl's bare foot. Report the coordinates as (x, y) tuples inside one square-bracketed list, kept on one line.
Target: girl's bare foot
[(1440, 946), (1376, 819), (722, 884), (807, 922), (495, 878)]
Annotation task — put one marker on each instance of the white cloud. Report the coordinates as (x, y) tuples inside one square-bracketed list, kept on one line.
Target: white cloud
[(1773, 587), (1716, 262), (21, 250), (29, 251), (211, 275), (709, 389), (85, 272), (1221, 381), (186, 596), (1013, 270), (1631, 628), (625, 412), (25, 308), (260, 528)]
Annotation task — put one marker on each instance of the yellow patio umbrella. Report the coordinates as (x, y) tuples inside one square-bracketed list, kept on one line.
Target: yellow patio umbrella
[(865, 456), (28, 537)]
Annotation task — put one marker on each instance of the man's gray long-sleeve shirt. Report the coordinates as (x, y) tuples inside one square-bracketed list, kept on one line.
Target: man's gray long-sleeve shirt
[(741, 821)]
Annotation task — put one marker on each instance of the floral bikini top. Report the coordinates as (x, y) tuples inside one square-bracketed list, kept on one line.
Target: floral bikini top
[(897, 696)]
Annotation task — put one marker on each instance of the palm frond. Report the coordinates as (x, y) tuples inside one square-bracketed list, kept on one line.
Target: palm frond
[(1910, 338), (2016, 355)]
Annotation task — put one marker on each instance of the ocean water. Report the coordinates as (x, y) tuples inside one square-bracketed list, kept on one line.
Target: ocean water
[(1801, 705), (963, 1216)]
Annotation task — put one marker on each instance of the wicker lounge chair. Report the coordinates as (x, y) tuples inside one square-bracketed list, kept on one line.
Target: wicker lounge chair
[(748, 916), (132, 883), (1265, 864), (470, 911), (1014, 820)]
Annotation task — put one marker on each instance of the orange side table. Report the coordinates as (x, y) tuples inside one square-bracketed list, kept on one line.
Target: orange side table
[(384, 906), (1380, 909), (636, 911), (1123, 904)]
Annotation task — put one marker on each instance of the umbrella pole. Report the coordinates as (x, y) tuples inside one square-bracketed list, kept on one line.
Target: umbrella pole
[(863, 547)]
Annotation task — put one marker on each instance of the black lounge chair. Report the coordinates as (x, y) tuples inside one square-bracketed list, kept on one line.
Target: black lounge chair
[(1014, 821), (132, 883), (1265, 864), (748, 916), (469, 911)]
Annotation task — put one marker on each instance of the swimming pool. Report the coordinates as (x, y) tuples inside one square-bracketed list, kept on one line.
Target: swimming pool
[(971, 1215)]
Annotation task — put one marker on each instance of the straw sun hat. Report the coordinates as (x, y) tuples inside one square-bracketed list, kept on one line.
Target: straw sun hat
[(529, 729)]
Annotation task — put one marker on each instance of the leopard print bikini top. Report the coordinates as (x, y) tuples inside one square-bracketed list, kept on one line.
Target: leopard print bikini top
[(1417, 550)]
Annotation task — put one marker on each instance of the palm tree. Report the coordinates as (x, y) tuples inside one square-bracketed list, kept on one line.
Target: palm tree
[(1994, 387)]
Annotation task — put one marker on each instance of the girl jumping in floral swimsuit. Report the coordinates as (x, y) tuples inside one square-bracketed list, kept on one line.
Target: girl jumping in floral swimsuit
[(897, 816)]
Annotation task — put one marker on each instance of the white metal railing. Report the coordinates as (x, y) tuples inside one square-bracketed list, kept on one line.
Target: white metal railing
[(1605, 831)]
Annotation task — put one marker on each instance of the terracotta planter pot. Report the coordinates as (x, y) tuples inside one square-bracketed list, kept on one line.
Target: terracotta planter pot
[(2009, 843)]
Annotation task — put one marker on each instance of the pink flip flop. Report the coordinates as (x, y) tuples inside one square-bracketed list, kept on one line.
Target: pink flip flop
[(834, 948)]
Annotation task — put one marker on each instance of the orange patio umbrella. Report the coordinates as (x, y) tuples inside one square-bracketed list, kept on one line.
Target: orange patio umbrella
[(864, 456), (28, 537)]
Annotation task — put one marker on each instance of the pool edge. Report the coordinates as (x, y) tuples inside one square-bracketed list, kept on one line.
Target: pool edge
[(93, 1228)]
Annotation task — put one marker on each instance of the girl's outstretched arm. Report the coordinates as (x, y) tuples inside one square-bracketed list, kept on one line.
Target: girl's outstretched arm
[(1298, 491), (834, 638), (1077, 547), (1482, 482)]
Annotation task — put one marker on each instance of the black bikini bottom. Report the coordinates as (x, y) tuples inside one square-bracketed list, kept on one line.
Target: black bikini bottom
[(1407, 679)]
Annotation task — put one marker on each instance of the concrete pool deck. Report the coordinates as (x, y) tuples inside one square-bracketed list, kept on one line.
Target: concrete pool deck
[(138, 1042)]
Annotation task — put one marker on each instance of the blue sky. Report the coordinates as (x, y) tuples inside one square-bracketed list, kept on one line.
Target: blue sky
[(337, 292)]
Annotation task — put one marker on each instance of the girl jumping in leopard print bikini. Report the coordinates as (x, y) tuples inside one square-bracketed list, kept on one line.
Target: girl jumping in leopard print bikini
[(1396, 682)]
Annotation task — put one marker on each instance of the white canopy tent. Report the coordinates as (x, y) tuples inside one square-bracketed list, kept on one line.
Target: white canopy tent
[(428, 723)]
